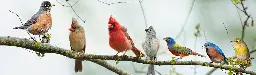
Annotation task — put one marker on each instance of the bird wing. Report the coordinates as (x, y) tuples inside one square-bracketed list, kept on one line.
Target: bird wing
[(180, 49), (135, 50), (219, 51), (124, 29), (33, 19)]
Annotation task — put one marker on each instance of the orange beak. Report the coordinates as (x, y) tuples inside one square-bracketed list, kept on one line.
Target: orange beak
[(71, 29), (110, 26)]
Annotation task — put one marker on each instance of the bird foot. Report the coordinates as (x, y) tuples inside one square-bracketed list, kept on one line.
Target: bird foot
[(154, 61), (45, 38), (178, 58)]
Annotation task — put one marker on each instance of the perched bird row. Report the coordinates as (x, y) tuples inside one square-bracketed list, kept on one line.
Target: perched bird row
[(119, 40)]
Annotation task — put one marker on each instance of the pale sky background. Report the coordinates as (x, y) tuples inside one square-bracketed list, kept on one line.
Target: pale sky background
[(166, 16)]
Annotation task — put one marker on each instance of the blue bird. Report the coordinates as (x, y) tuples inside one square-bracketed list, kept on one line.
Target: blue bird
[(215, 53)]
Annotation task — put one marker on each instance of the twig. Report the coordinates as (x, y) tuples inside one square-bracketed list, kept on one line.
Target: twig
[(47, 48), (110, 3), (183, 27), (71, 6), (143, 14), (75, 12), (211, 71), (23, 24), (109, 67), (237, 6), (248, 16), (17, 16)]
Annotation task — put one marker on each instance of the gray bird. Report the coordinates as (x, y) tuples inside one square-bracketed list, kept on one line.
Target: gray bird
[(77, 42), (41, 22), (151, 46)]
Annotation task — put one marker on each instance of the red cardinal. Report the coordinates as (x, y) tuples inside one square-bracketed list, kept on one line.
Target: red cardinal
[(119, 39)]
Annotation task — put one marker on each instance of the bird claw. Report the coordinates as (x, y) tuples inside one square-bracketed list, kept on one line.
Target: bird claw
[(46, 38), (178, 58), (154, 61)]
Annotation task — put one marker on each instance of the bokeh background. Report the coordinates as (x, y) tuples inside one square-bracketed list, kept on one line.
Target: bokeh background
[(166, 16)]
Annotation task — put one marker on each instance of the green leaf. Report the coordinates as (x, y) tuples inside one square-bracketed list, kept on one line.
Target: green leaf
[(117, 61), (236, 1), (230, 72), (206, 64), (195, 34), (173, 62), (48, 36), (173, 57), (198, 26)]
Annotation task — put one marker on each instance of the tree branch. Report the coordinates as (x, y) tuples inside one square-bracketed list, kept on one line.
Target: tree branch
[(47, 48), (183, 27), (246, 14)]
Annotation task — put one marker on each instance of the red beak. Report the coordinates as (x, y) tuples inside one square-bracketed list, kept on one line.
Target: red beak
[(71, 29)]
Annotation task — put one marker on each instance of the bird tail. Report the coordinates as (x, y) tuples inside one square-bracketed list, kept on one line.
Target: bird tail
[(151, 70), (137, 52), (21, 27), (78, 66), (195, 53)]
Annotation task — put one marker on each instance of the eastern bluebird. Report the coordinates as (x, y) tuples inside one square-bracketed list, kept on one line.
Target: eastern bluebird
[(151, 46), (41, 22), (179, 50), (215, 53), (119, 39), (77, 42)]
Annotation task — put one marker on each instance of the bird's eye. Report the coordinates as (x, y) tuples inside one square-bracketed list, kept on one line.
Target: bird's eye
[(208, 45), (236, 41)]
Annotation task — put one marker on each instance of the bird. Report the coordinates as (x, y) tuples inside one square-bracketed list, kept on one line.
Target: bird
[(151, 47), (77, 41), (41, 22), (119, 38), (179, 50), (241, 53), (215, 53)]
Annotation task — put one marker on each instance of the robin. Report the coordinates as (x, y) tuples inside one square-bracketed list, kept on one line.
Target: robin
[(41, 22)]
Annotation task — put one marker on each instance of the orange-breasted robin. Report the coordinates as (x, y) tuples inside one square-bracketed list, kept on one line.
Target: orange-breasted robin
[(41, 22)]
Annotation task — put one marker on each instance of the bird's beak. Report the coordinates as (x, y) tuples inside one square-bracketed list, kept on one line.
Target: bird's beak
[(71, 29), (146, 30), (205, 46), (109, 26), (231, 41), (52, 5), (164, 38)]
